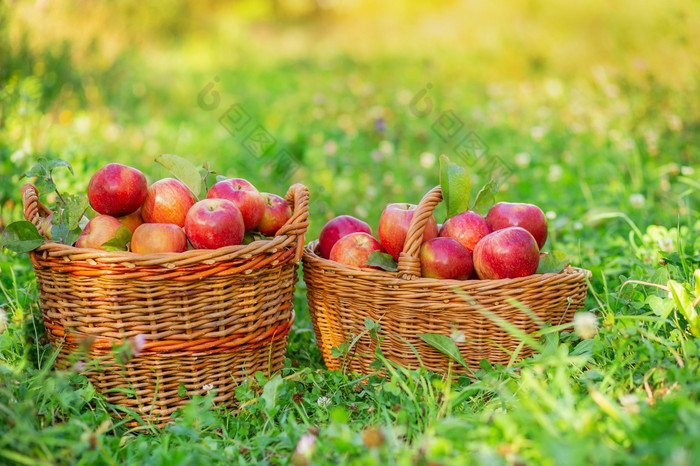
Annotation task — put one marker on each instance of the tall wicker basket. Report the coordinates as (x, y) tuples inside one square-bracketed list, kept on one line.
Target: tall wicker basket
[(405, 305), (205, 319)]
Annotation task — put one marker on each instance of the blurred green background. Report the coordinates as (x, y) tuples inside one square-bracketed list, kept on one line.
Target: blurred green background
[(587, 104), (589, 110)]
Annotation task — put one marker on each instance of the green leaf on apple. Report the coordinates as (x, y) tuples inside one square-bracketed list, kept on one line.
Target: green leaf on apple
[(382, 260), (62, 234), (553, 262), (251, 236), (456, 186), (21, 237), (486, 197), (119, 241), (445, 345), (42, 170), (183, 170), (74, 209)]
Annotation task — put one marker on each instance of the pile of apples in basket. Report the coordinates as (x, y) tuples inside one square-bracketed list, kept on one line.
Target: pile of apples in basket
[(505, 243), (166, 217)]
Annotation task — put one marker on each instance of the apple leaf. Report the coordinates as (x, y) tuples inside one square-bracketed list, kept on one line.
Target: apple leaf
[(382, 260), (73, 209), (445, 345), (251, 236), (553, 262), (64, 235), (21, 237), (183, 170), (486, 197), (456, 186), (120, 240), (42, 170)]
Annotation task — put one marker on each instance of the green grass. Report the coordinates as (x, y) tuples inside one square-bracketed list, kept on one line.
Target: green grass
[(610, 152)]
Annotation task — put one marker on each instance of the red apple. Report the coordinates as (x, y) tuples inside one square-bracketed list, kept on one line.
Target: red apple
[(337, 228), (528, 216), (507, 253), (152, 238), (214, 223), (467, 228), (445, 258), (167, 201), (276, 214), (354, 249), (393, 227), (244, 196), (98, 231), (132, 221), (116, 190)]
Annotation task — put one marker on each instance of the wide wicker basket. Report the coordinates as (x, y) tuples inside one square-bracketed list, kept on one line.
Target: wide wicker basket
[(405, 305), (202, 319)]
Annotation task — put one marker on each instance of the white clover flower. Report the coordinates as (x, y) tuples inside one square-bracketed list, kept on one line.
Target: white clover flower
[(637, 200), (330, 147), (538, 132), (551, 215), (675, 123), (207, 387), (585, 325), (306, 445), (522, 159), (386, 147), (555, 172), (427, 160), (457, 335), (630, 403), (137, 343), (3, 320), (323, 401), (419, 181)]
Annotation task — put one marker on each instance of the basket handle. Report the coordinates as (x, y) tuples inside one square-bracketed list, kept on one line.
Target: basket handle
[(34, 210), (409, 261), (298, 199)]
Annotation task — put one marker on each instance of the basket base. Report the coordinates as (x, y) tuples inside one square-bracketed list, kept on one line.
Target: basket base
[(148, 387)]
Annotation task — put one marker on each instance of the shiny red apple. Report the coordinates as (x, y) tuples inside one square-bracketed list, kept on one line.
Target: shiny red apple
[(98, 231), (276, 214), (167, 201), (150, 238), (393, 227), (117, 190), (467, 228), (336, 228), (354, 249), (214, 223), (528, 216), (244, 196), (445, 258), (507, 253)]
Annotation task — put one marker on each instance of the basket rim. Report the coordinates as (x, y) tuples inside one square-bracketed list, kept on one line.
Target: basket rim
[(311, 254), (292, 235)]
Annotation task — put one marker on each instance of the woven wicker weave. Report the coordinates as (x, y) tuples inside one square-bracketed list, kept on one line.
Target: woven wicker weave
[(207, 318), (341, 298)]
